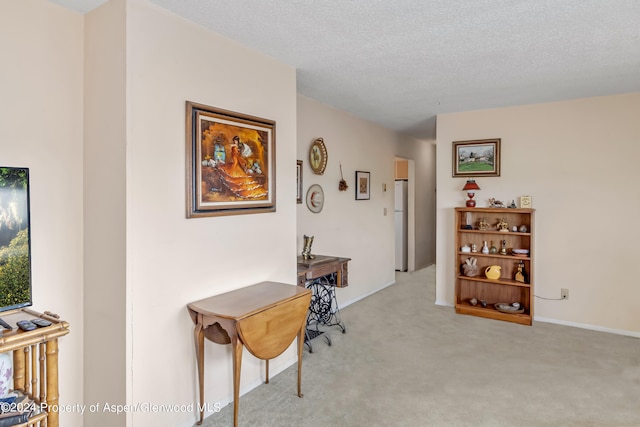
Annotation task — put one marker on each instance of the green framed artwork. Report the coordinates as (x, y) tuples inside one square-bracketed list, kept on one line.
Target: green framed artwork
[(476, 158)]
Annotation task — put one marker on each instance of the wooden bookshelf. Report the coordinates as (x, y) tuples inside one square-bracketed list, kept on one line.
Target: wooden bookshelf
[(506, 289)]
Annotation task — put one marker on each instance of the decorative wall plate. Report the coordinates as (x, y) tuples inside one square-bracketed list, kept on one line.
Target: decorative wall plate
[(315, 198), (318, 156)]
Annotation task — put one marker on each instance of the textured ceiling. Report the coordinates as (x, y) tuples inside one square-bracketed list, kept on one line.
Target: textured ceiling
[(399, 63)]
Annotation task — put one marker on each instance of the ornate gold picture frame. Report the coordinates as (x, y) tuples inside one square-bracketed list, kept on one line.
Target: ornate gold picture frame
[(230, 162)]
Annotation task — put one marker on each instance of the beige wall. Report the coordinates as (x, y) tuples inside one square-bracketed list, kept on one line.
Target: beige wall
[(358, 229), (578, 161), (364, 146), (105, 194), (171, 260), (41, 110)]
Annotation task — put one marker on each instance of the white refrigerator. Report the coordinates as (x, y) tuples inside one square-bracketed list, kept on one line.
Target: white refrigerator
[(401, 224)]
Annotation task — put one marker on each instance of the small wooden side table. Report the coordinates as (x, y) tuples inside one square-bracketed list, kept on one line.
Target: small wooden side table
[(264, 317)]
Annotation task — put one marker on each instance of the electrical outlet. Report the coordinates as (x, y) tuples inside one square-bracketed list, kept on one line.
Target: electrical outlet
[(564, 293)]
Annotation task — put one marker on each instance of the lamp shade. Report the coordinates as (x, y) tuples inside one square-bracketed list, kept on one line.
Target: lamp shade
[(470, 186)]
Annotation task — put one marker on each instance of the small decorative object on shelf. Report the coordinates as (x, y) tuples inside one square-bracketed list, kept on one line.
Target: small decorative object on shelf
[(492, 272), (483, 224), (496, 203), (509, 308), (502, 225), (485, 248), (471, 187), (503, 248), (465, 249), (493, 249), (470, 268), (520, 252), (525, 202), (474, 248), (306, 249), (521, 275), (512, 205), (473, 301), (523, 228)]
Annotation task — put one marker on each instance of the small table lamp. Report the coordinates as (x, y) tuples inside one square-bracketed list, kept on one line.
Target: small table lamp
[(470, 187)]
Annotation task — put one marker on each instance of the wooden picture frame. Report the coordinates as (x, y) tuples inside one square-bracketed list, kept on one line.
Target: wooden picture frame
[(476, 158), (230, 162), (299, 181), (363, 185)]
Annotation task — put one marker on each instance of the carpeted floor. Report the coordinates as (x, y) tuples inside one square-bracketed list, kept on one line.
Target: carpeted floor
[(406, 362)]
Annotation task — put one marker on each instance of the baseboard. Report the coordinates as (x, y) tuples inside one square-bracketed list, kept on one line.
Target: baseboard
[(443, 303), (587, 326), (348, 303), (573, 324), (427, 265)]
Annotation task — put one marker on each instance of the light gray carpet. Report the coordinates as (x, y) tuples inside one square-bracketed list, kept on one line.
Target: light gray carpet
[(406, 362)]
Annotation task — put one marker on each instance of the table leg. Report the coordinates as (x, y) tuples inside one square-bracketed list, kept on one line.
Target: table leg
[(303, 330), (236, 349), (199, 338), (52, 382), (267, 371)]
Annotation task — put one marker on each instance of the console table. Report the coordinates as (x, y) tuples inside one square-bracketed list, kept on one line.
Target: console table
[(322, 274), (265, 318), (35, 361)]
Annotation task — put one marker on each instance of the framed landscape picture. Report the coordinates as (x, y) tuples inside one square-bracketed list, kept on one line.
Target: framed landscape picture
[(230, 162), (476, 158)]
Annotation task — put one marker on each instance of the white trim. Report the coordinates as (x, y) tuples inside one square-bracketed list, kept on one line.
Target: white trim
[(347, 304), (573, 324), (443, 303), (586, 326)]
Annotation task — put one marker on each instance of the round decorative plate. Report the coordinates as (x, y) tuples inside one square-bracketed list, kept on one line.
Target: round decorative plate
[(315, 198), (318, 156), (508, 308)]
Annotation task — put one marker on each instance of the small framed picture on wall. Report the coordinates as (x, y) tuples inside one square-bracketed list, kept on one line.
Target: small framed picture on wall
[(299, 181), (363, 185)]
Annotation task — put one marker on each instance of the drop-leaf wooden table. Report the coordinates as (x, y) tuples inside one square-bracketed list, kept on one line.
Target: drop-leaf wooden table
[(264, 317)]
